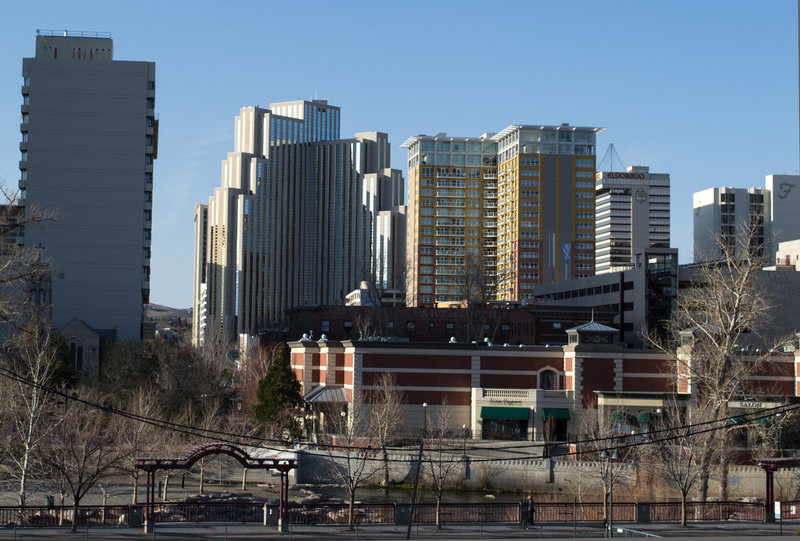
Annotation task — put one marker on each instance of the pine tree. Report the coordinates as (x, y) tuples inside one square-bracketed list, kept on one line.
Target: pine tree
[(277, 396)]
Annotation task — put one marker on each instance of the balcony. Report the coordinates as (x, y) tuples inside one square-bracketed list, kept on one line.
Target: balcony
[(23, 145), (23, 127), (24, 108), (26, 88), (23, 165)]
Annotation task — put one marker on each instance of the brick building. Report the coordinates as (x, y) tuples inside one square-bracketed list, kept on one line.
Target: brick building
[(510, 391)]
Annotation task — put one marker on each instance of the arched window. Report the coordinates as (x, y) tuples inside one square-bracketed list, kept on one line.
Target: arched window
[(76, 354), (548, 380)]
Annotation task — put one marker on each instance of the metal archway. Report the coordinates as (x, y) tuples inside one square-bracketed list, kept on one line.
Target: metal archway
[(770, 466), (152, 465)]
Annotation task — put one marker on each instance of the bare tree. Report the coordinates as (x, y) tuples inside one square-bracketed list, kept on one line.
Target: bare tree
[(24, 273), (604, 451), (82, 449), (442, 461), (352, 446), (385, 402), (140, 439), (721, 327), (477, 290), (185, 377), (254, 366), (207, 419), (672, 452), (36, 362)]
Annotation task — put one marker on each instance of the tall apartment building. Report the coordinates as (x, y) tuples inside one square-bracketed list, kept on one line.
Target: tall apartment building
[(632, 216), (295, 221), (492, 217), (452, 219), (89, 139)]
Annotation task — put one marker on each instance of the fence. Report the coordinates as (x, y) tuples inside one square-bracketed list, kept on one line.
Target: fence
[(90, 515), (366, 513)]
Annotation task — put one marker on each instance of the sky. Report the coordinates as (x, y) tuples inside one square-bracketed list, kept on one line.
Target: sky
[(705, 91)]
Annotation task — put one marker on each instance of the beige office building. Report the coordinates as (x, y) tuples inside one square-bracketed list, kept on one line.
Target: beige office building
[(294, 221)]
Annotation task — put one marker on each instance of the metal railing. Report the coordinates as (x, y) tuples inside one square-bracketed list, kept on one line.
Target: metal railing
[(73, 33), (389, 513)]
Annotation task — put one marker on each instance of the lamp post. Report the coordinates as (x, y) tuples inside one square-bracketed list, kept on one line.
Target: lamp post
[(464, 456), (609, 458), (419, 467)]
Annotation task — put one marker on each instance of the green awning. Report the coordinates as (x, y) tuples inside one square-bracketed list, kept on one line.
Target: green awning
[(735, 421), (555, 413), (645, 416), (763, 421), (498, 412)]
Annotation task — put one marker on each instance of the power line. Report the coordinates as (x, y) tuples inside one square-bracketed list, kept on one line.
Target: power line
[(649, 438)]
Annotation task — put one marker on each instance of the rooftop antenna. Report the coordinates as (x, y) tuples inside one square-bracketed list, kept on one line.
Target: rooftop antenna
[(610, 153)]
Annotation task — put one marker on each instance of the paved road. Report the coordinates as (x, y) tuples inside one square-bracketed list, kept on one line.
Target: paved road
[(182, 532)]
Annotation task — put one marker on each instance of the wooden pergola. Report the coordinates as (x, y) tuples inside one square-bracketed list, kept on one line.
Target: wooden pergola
[(770, 466), (152, 465)]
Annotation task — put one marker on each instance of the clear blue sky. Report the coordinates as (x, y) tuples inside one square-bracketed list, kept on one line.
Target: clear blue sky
[(706, 91)]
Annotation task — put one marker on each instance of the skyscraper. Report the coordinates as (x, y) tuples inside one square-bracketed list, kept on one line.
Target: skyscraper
[(632, 216), (295, 221), (492, 217), (89, 139)]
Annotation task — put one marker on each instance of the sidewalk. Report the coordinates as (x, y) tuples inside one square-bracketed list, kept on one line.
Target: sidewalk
[(170, 532)]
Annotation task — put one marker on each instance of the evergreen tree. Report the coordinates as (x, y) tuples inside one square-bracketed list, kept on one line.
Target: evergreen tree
[(277, 397)]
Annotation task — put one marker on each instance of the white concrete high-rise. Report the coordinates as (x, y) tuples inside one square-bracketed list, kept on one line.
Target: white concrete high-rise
[(89, 138), (722, 215), (631, 216)]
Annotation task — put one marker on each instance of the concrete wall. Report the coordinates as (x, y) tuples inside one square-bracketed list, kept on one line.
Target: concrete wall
[(564, 478)]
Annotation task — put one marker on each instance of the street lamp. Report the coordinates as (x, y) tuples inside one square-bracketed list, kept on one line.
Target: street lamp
[(424, 419), (464, 456), (609, 458), (419, 467)]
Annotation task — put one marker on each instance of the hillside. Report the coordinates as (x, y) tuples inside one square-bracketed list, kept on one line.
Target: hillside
[(158, 312)]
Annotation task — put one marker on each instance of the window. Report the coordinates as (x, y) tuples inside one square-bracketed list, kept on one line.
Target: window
[(548, 378)]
